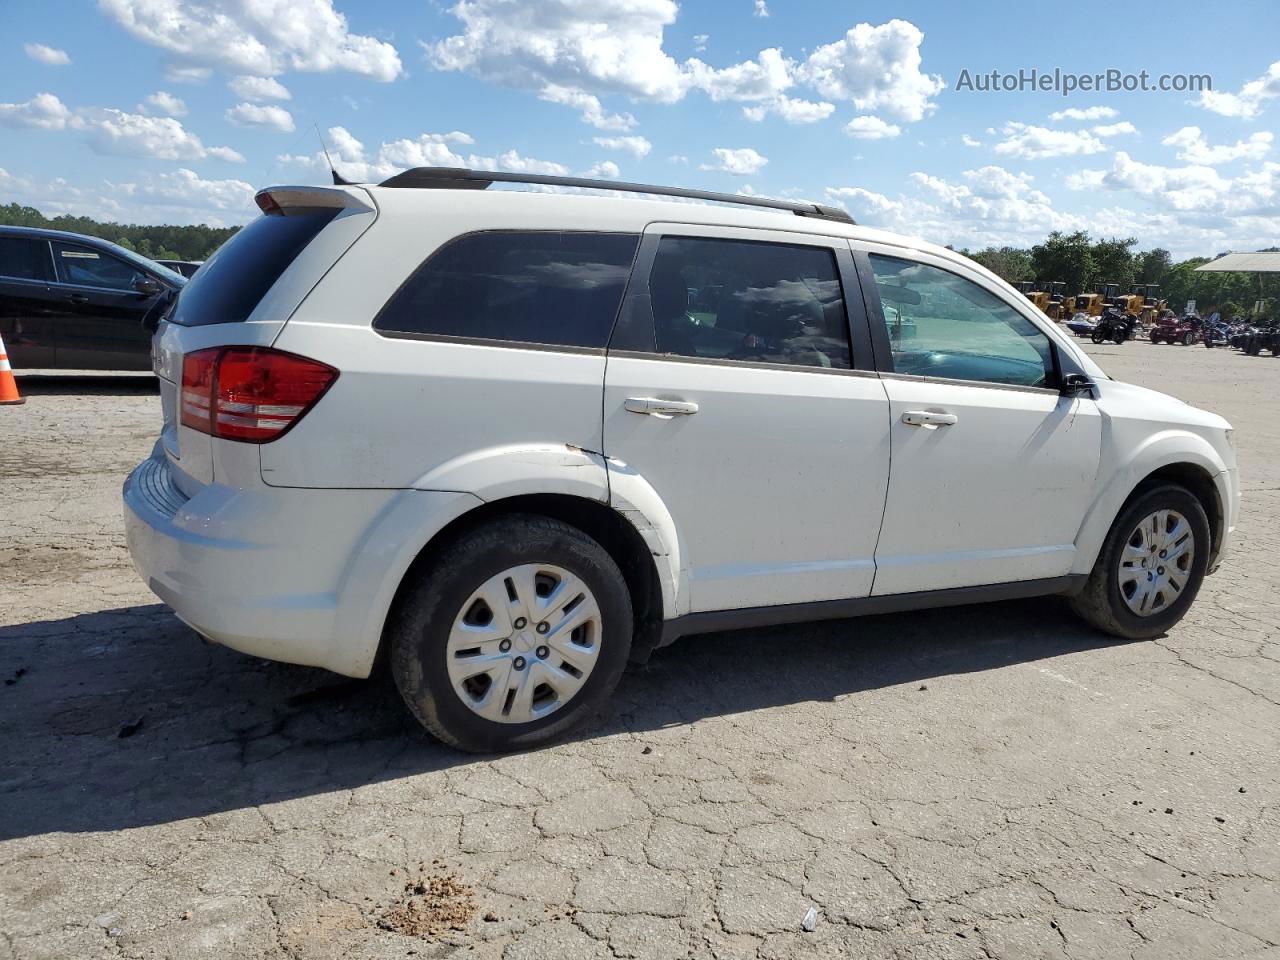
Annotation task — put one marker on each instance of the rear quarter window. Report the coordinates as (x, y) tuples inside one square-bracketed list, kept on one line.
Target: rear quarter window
[(230, 284), (554, 288), (25, 258)]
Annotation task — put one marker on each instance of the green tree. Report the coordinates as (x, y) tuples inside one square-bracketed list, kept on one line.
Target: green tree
[(1153, 265), (1113, 262), (164, 242), (1008, 263), (1067, 257)]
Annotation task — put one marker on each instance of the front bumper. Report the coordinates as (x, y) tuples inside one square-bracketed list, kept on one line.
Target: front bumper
[(298, 575)]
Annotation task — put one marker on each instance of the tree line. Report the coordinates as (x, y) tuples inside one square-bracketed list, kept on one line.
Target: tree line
[(164, 242), (1082, 263)]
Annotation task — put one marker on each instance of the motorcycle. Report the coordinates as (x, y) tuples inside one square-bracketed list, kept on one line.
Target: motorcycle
[(1216, 334), (1113, 325)]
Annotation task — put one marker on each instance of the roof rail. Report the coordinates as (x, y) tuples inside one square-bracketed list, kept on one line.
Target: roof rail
[(460, 178)]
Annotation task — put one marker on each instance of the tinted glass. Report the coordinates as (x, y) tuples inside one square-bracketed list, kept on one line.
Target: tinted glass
[(87, 267), (742, 300), (942, 325), (231, 282), (554, 288), (25, 258)]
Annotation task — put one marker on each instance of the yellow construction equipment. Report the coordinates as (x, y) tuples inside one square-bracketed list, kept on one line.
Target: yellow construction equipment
[(1148, 305)]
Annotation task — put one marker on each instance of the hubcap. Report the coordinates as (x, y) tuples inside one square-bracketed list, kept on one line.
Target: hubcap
[(1147, 584), (524, 643)]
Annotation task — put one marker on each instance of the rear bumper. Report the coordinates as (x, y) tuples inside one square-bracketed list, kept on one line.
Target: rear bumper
[(302, 576)]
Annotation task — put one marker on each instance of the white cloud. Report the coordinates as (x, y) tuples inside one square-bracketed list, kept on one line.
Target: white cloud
[(871, 128), (1249, 101), (51, 56), (761, 8), (258, 115), (256, 37), (164, 104), (605, 169), (790, 109), (177, 73), (760, 79), (1193, 148), (1196, 192), (1086, 113), (638, 147), (593, 111), (679, 159), (700, 42), (44, 111), (1032, 142), (741, 162), (968, 141), (1114, 129), (259, 89), (611, 47), (133, 134), (878, 68), (427, 150), (186, 187), (576, 53)]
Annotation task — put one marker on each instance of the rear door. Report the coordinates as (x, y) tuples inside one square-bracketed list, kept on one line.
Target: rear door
[(28, 308), (100, 324), (733, 391)]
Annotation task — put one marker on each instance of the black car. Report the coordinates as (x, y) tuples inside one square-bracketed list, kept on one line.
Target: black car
[(77, 303)]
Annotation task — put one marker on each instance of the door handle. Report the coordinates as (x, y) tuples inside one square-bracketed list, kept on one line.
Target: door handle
[(932, 419), (77, 298), (663, 409)]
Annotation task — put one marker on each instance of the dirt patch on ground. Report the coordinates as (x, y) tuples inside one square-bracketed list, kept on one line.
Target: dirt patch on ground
[(431, 906)]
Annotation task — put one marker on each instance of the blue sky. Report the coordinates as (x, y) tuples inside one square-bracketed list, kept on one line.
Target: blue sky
[(174, 111)]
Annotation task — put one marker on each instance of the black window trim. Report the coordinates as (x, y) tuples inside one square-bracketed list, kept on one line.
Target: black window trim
[(634, 337), (53, 267), (498, 341), (883, 347)]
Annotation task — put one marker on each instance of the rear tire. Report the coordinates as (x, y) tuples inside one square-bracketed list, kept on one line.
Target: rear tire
[(1188, 338), (556, 680), (1109, 595)]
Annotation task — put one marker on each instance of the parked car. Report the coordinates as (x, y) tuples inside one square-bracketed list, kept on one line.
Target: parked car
[(77, 303), (185, 267), (390, 429)]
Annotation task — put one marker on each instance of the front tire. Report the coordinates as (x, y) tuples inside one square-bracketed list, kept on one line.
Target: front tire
[(1150, 567), (515, 635)]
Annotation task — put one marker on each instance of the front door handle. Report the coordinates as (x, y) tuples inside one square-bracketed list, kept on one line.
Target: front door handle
[(932, 419), (663, 409), (77, 298)]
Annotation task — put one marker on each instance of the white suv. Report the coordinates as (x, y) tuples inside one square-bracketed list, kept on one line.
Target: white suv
[(513, 439)]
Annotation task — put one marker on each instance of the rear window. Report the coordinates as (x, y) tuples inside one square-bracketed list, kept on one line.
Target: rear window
[(25, 258), (231, 282), (555, 288)]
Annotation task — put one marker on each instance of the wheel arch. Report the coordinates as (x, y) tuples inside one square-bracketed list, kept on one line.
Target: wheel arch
[(613, 531)]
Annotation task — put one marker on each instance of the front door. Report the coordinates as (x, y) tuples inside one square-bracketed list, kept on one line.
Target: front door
[(993, 469), (102, 326), (732, 391)]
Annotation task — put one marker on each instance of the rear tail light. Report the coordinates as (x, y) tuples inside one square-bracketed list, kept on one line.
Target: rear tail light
[(252, 394)]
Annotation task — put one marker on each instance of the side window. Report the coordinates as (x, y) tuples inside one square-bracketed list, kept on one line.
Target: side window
[(747, 300), (25, 258), (553, 288), (86, 267), (942, 325)]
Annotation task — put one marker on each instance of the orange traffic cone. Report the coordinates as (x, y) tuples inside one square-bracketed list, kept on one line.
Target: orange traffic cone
[(8, 385)]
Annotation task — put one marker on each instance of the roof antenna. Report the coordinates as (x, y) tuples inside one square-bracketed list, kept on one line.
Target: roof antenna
[(338, 179)]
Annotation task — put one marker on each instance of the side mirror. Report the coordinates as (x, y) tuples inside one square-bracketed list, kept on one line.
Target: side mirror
[(1074, 384), (147, 286)]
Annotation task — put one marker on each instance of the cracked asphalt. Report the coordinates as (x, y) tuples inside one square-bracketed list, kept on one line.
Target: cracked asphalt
[(983, 782)]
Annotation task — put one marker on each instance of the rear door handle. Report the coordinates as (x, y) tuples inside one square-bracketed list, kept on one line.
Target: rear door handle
[(77, 298), (663, 409), (929, 418)]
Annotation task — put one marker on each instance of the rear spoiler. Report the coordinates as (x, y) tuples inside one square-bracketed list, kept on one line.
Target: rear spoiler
[(283, 200)]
